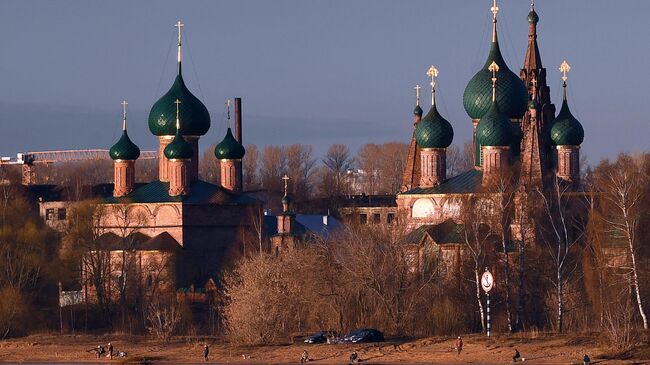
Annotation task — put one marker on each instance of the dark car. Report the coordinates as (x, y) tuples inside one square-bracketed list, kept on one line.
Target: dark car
[(318, 337), (364, 335)]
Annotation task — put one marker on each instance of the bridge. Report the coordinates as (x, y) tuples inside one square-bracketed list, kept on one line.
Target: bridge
[(29, 159)]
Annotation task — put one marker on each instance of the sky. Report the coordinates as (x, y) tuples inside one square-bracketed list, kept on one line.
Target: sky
[(314, 72)]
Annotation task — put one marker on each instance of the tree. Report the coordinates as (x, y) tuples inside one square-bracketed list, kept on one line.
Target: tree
[(209, 166), (300, 168), (250, 168), (622, 187), (273, 166), (459, 159), (338, 161)]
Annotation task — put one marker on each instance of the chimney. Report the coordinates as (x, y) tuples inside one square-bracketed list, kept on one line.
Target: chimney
[(238, 120)]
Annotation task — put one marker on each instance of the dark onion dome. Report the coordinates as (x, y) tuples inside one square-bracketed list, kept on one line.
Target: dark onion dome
[(434, 131), (533, 104), (533, 18), (229, 148), (286, 200), (179, 148), (124, 149), (418, 111), (495, 128), (195, 116), (566, 130), (512, 95)]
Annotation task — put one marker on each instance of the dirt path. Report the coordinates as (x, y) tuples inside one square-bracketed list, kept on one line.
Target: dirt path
[(435, 350)]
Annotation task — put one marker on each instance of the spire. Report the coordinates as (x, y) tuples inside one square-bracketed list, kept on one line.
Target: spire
[(124, 104), (494, 68), (494, 9), (179, 25), (533, 60), (178, 119), (564, 68), (433, 73)]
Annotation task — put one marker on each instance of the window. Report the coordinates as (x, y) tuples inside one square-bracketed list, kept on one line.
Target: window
[(61, 214), (376, 218), (390, 218), (363, 218), (49, 214)]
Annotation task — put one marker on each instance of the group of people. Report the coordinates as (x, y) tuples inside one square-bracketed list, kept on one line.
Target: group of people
[(99, 351), (517, 356)]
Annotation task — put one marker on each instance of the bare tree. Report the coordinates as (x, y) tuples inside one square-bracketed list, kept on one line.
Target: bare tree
[(209, 166), (622, 187), (251, 169), (273, 165), (164, 317), (300, 168), (338, 161), (459, 159)]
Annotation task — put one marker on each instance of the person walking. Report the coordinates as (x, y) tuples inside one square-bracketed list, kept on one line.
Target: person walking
[(110, 351), (100, 351), (459, 345), (516, 356), (586, 360), (206, 352), (305, 357)]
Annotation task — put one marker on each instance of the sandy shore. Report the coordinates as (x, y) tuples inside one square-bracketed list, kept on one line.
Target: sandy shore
[(435, 350)]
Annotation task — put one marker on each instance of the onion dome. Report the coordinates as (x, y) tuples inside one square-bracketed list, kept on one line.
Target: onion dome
[(229, 148), (417, 111), (512, 93), (533, 18), (124, 149), (179, 148), (434, 131), (495, 128), (286, 200), (566, 130), (195, 116), (533, 104)]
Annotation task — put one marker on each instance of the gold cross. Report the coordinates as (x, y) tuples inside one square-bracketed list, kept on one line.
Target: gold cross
[(494, 9), (179, 25), (417, 94), (433, 73), (564, 68), (228, 111), (124, 104), (286, 183), (178, 121), (494, 68)]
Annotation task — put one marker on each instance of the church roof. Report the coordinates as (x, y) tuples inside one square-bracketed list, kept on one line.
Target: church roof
[(201, 192), (467, 182), (447, 232), (140, 242)]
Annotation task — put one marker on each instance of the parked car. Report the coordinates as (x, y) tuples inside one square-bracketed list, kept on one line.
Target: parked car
[(364, 335), (318, 337)]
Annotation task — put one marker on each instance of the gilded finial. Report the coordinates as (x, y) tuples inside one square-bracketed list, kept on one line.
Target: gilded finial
[(228, 111), (178, 119), (532, 5), (533, 81), (494, 9), (124, 104), (285, 178), (494, 68), (417, 94), (433, 73), (179, 25), (564, 68)]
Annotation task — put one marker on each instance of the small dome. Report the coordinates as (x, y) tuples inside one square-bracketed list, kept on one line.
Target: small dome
[(495, 129), (533, 104), (566, 130), (124, 149), (417, 111), (179, 149), (195, 116), (512, 95), (434, 131), (533, 18), (286, 200), (229, 148)]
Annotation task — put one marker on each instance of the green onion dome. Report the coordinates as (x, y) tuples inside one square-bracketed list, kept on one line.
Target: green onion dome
[(195, 116), (179, 148), (417, 111), (495, 128), (512, 95), (434, 131), (124, 149), (533, 18), (533, 104), (566, 130), (229, 148), (286, 200)]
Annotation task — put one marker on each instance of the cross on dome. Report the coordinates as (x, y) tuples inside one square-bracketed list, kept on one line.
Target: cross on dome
[(124, 104), (178, 120), (286, 179), (565, 68), (433, 73), (494, 68), (417, 94)]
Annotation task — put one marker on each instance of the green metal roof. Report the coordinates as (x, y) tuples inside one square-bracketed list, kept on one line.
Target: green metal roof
[(533, 18), (434, 131), (229, 148), (447, 232), (566, 130), (512, 95), (179, 148), (124, 149), (195, 116), (418, 111), (494, 128), (467, 182), (201, 192)]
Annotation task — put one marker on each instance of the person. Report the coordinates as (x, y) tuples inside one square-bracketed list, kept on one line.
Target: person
[(354, 358), (206, 352), (586, 360), (110, 351), (305, 357), (516, 356), (100, 351), (459, 345)]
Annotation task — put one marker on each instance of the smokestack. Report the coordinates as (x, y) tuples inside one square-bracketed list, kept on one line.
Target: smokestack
[(238, 120)]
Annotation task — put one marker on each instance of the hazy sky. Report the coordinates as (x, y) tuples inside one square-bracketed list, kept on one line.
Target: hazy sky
[(312, 72)]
